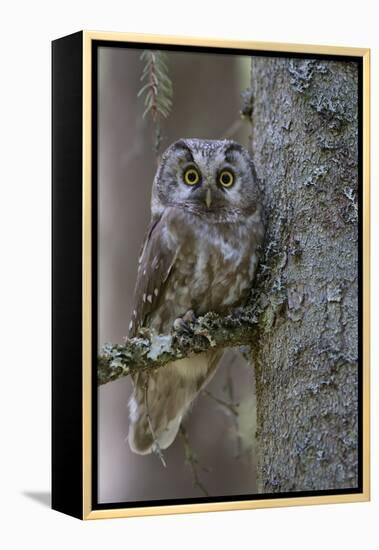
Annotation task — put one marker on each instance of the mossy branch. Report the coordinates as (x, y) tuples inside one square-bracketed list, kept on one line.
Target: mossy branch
[(151, 350)]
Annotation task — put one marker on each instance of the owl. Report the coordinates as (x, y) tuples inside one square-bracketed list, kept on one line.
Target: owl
[(199, 255)]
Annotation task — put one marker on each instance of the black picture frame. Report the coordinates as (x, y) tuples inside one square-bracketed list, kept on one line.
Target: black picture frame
[(74, 273)]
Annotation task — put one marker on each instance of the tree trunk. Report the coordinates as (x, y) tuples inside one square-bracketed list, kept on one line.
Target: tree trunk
[(305, 146)]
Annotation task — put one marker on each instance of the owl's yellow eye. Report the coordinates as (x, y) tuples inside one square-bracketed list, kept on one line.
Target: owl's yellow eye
[(191, 176), (226, 178)]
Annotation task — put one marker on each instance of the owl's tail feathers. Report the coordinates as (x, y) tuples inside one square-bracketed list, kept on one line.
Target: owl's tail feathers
[(160, 401), (143, 437)]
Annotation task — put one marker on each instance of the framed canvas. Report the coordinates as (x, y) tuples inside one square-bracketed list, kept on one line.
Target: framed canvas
[(210, 275)]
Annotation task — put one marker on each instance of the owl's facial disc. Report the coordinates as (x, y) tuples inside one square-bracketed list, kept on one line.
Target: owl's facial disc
[(206, 187), (206, 177)]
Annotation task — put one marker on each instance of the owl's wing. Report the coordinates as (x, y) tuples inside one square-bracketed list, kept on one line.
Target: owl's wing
[(155, 265)]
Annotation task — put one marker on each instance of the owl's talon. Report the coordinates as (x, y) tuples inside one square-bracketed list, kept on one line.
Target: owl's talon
[(189, 317), (182, 324)]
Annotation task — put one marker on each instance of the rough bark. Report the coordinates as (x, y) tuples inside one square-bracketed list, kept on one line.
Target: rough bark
[(305, 145)]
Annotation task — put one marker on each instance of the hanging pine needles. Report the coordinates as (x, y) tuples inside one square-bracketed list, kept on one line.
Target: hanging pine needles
[(157, 89)]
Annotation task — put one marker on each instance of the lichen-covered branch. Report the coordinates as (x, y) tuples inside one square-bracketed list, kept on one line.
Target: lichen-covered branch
[(151, 350)]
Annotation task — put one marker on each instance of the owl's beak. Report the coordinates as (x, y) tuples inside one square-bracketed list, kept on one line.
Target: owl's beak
[(208, 197)]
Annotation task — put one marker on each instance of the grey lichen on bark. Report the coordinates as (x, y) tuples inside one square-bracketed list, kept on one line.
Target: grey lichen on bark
[(305, 146)]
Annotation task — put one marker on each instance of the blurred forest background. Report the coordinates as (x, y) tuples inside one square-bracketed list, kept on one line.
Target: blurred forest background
[(206, 104)]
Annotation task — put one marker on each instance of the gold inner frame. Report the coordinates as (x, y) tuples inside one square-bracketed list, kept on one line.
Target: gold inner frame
[(88, 513)]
